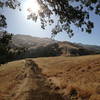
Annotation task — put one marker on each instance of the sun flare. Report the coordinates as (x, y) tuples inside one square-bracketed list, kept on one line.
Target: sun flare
[(31, 6)]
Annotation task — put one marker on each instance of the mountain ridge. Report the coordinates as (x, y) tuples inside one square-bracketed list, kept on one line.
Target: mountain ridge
[(44, 47)]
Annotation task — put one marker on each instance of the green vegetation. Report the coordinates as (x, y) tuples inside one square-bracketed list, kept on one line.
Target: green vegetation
[(5, 53)]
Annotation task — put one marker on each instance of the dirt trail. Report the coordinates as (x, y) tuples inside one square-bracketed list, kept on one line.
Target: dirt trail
[(33, 85)]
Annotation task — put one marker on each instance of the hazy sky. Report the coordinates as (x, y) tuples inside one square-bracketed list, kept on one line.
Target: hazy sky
[(18, 24)]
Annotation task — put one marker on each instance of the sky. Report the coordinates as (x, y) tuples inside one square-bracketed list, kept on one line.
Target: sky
[(18, 24)]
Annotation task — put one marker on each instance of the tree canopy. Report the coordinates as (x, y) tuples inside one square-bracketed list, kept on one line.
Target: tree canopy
[(6, 54), (67, 12)]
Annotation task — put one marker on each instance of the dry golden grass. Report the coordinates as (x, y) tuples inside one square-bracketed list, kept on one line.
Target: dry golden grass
[(79, 73), (76, 78)]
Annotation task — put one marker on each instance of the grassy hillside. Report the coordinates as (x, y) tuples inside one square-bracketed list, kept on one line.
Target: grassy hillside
[(51, 78), (46, 47)]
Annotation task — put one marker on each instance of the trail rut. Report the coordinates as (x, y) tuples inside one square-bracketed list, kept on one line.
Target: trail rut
[(33, 85)]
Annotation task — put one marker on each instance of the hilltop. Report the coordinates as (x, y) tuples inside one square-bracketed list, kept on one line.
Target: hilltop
[(51, 78), (28, 41)]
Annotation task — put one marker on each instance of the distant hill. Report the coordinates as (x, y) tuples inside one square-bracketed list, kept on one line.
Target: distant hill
[(29, 41), (44, 47), (91, 47)]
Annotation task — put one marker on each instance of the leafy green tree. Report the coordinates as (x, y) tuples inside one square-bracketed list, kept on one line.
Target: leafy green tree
[(6, 54), (4, 40)]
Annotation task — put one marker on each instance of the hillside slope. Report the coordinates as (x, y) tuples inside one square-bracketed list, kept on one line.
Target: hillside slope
[(52, 78), (29, 41), (45, 47)]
